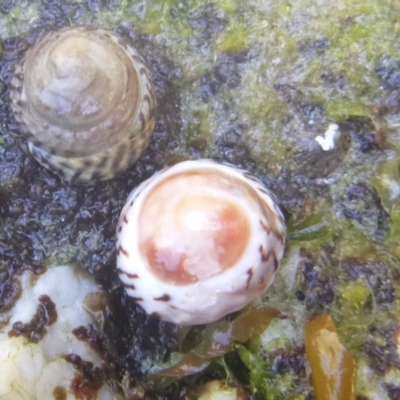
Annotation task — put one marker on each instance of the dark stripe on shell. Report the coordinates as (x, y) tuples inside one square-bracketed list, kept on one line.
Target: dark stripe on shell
[(137, 298), (61, 173), (122, 43), (132, 287), (164, 297), (19, 75), (147, 98), (250, 176), (96, 176), (119, 156), (137, 58), (143, 71), (130, 276), (265, 191), (87, 162), (280, 237), (123, 251), (264, 256), (250, 274), (155, 315), (276, 262), (102, 162), (142, 120), (265, 227)]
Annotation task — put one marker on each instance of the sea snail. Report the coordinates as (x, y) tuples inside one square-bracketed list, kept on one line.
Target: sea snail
[(198, 241), (85, 102)]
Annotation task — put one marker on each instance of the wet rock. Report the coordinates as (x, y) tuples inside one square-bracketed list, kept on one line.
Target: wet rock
[(292, 362), (393, 100), (227, 72), (393, 391), (388, 70), (312, 47), (321, 155), (300, 295), (207, 22), (6, 6), (198, 144), (362, 134), (4, 203), (94, 5), (381, 349), (317, 146), (377, 275), (139, 338), (317, 286), (55, 13), (230, 139), (228, 68), (206, 87), (363, 207), (231, 147), (10, 291)]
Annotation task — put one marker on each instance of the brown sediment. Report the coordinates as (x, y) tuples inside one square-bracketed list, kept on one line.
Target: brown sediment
[(46, 314)]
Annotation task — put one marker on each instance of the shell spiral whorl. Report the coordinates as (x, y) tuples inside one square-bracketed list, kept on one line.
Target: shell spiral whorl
[(85, 102), (198, 241)]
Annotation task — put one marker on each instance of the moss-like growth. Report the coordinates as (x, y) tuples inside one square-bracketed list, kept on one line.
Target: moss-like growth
[(355, 294)]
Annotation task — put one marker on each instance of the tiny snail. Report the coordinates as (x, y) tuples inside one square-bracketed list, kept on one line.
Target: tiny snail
[(199, 240), (85, 102)]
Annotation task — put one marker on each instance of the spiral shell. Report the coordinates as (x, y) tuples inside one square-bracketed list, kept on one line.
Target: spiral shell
[(198, 241), (85, 102)]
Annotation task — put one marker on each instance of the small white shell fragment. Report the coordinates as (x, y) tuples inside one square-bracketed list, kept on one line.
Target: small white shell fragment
[(198, 241), (328, 141)]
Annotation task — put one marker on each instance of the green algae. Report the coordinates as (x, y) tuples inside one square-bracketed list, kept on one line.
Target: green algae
[(344, 109), (356, 36), (352, 315), (19, 18), (266, 384), (393, 237), (236, 35), (313, 223), (386, 181), (235, 39)]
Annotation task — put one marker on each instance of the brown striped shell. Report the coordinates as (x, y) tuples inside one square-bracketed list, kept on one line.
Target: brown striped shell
[(198, 241), (85, 102)]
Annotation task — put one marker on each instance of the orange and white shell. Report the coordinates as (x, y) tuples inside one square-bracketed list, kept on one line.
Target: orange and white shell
[(199, 240)]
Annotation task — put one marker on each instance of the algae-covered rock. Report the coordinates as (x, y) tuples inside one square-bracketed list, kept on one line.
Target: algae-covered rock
[(305, 95)]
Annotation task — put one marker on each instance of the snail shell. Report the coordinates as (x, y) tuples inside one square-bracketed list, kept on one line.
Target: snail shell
[(85, 102), (198, 241)]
